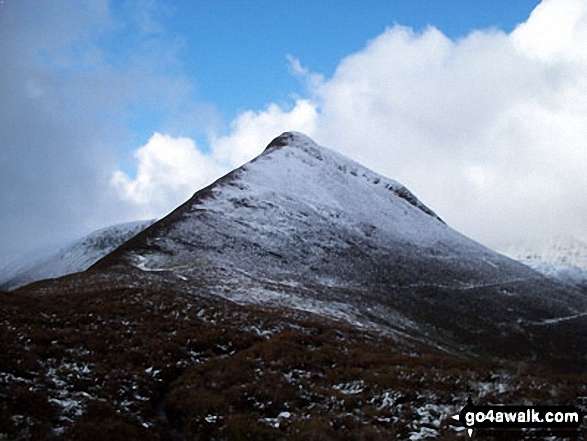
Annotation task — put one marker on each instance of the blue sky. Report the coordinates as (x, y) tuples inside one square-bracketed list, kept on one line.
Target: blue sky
[(235, 52), (114, 111)]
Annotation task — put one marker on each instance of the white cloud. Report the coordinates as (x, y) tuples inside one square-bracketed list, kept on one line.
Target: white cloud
[(169, 171), (251, 131), (76, 75), (311, 79), (555, 31)]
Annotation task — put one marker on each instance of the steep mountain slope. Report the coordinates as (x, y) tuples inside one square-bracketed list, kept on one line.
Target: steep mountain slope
[(302, 226), (72, 258)]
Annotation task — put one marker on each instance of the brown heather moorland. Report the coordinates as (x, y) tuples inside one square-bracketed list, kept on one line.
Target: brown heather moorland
[(93, 357)]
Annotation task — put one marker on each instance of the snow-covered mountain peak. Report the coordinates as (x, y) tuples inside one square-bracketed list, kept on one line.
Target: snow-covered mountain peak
[(304, 227), (562, 257), (294, 139), (297, 199), (324, 170)]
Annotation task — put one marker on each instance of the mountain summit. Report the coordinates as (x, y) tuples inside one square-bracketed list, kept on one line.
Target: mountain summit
[(302, 226)]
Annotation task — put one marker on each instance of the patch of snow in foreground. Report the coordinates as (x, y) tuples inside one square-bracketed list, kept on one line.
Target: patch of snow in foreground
[(352, 388), (431, 417), (275, 422), (424, 433)]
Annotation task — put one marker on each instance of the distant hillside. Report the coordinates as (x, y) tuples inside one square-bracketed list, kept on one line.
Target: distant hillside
[(558, 250), (563, 258), (72, 258)]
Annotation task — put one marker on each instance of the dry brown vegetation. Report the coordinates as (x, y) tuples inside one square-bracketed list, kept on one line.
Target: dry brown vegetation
[(110, 362)]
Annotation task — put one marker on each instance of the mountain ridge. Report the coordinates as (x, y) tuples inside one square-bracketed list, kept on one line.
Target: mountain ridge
[(304, 227), (287, 139)]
